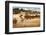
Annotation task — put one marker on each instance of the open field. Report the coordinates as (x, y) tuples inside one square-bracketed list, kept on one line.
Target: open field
[(28, 21), (26, 18)]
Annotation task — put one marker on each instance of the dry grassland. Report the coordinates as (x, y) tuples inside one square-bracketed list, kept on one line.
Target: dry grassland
[(22, 21)]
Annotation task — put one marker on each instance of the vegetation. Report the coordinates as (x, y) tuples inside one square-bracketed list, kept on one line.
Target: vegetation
[(17, 10)]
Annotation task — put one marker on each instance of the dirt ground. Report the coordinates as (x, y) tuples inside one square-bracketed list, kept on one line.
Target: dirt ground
[(34, 22)]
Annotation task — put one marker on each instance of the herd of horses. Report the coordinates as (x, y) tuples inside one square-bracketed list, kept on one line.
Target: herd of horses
[(26, 17)]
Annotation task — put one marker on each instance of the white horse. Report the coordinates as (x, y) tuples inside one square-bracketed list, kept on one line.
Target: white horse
[(18, 18)]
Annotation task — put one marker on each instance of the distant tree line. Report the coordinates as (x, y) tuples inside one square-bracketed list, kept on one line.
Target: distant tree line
[(17, 10)]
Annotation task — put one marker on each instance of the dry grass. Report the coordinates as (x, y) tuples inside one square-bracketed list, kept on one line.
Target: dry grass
[(35, 22), (25, 18)]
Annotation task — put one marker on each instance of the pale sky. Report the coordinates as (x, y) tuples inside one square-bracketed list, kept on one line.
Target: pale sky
[(31, 8)]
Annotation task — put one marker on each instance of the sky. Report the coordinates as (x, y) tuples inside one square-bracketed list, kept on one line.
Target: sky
[(27, 8)]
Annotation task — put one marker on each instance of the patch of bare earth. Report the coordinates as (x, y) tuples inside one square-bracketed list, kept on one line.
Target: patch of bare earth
[(28, 23)]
